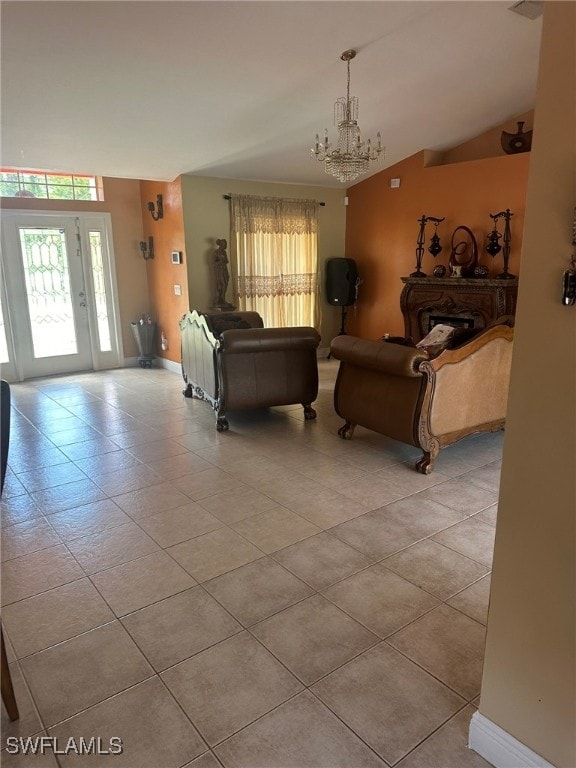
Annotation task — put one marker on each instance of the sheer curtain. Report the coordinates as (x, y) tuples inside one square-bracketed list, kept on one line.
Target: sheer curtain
[(276, 258)]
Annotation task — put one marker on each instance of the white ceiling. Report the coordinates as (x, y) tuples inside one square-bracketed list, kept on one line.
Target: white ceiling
[(239, 89)]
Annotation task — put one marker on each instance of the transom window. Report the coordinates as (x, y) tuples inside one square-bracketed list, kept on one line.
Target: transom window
[(19, 182)]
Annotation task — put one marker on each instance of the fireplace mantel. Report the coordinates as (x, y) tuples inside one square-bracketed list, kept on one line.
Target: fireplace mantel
[(474, 302)]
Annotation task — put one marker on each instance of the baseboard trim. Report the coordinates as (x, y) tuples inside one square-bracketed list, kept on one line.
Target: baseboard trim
[(501, 749), (170, 365), (157, 362)]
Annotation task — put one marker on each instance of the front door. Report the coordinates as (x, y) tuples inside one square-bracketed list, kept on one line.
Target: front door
[(56, 294)]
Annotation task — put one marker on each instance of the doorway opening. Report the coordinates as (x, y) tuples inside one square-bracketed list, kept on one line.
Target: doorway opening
[(58, 295)]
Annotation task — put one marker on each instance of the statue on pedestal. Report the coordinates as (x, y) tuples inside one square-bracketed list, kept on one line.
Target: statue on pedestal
[(222, 276)]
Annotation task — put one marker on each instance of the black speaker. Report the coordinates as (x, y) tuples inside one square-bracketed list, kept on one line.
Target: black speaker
[(341, 277)]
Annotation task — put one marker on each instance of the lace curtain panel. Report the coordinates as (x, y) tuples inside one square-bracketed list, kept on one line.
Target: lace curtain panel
[(277, 258)]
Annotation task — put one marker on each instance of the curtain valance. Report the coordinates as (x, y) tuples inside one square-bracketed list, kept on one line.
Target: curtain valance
[(273, 215)]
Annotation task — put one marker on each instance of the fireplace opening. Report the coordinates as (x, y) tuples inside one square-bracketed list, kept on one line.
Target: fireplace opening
[(454, 320)]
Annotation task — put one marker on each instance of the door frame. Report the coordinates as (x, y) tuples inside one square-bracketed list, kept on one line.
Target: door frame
[(9, 370), (85, 221)]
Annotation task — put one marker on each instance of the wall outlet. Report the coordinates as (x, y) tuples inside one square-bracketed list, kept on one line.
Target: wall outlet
[(177, 290)]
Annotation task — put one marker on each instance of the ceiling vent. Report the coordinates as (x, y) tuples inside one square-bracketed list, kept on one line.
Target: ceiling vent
[(531, 9)]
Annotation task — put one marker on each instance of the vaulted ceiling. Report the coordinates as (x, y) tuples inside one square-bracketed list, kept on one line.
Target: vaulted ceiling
[(239, 89)]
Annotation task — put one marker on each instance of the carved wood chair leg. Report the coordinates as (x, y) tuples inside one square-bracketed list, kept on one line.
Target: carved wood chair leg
[(6, 683), (347, 431), (309, 412), (222, 423), (425, 465)]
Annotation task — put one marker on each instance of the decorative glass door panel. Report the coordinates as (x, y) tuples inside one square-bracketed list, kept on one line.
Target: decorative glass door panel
[(100, 293), (49, 295)]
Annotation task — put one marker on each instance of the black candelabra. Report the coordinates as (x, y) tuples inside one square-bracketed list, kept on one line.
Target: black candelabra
[(434, 248), (493, 246)]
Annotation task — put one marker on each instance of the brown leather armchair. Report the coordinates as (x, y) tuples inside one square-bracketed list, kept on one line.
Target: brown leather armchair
[(402, 392), (233, 362)]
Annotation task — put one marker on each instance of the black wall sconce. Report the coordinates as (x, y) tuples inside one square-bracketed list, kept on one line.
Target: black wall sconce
[(159, 212), (147, 249)]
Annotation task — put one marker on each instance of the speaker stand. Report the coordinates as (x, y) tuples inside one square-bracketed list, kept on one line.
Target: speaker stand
[(342, 331)]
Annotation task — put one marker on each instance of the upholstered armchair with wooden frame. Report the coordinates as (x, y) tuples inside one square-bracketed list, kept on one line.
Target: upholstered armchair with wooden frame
[(230, 360), (401, 392)]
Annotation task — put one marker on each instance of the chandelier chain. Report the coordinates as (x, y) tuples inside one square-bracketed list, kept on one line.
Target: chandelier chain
[(348, 84)]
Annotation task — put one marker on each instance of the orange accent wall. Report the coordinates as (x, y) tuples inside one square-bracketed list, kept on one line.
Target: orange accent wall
[(382, 226), (165, 307)]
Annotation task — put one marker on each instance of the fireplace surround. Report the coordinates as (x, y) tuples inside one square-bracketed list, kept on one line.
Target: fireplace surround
[(467, 302)]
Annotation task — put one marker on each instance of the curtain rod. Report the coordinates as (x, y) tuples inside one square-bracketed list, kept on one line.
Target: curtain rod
[(227, 197)]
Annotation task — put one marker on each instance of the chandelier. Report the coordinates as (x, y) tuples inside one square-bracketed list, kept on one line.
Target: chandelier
[(351, 157)]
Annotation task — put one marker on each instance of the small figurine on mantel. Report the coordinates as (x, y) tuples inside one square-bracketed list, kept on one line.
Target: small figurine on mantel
[(222, 276)]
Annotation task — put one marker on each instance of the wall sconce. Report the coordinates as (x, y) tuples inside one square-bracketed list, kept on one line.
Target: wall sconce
[(147, 249), (159, 212)]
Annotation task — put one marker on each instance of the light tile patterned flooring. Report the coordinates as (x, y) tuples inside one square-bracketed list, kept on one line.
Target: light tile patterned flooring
[(268, 597)]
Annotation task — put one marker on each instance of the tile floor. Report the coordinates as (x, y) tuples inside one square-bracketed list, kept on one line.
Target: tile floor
[(268, 597)]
